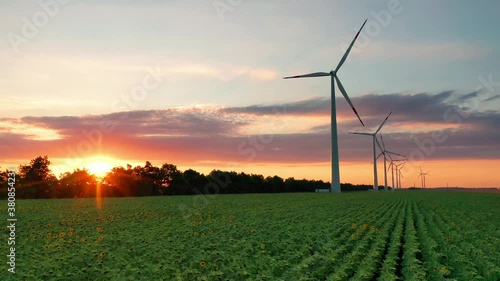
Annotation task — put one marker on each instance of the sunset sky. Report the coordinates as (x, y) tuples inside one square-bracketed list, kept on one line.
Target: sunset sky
[(199, 84)]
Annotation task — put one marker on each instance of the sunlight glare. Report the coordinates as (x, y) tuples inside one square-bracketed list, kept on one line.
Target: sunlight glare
[(99, 169)]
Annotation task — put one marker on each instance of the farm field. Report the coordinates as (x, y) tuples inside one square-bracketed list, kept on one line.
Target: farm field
[(404, 235)]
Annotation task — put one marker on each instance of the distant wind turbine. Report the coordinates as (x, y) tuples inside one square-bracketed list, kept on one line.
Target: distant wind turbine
[(335, 183), (398, 173), (375, 141), (386, 153), (422, 177), (391, 166)]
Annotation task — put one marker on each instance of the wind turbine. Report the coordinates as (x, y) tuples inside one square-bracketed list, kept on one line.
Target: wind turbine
[(422, 176), (375, 141), (387, 153), (335, 183), (401, 176), (385, 171), (385, 162), (392, 165), (398, 173)]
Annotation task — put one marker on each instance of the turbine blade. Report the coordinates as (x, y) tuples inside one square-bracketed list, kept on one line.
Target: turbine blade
[(382, 139), (378, 144), (349, 49), (389, 168), (390, 157), (377, 157), (394, 153), (385, 120), (401, 164), (315, 74), (344, 93), (364, 134)]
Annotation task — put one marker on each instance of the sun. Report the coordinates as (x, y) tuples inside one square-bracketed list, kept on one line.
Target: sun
[(99, 168)]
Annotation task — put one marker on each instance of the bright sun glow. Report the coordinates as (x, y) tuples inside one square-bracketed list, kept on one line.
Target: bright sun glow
[(99, 169)]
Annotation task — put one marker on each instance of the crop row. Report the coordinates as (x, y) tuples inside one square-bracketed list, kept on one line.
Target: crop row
[(358, 236)]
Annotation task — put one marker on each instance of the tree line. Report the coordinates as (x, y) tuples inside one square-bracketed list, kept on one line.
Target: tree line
[(36, 180)]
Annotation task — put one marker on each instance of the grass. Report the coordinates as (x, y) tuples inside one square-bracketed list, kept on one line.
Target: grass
[(412, 235)]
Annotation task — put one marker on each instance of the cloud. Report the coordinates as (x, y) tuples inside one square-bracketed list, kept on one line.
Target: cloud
[(310, 107), (29, 131), (429, 110), (55, 65), (441, 126), (168, 122), (260, 74), (493, 98), (435, 51), (214, 71), (372, 108)]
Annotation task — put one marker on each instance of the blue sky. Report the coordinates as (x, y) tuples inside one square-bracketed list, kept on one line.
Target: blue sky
[(428, 47), (90, 56)]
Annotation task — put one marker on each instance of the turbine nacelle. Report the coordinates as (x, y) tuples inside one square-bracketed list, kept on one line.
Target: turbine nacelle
[(333, 73)]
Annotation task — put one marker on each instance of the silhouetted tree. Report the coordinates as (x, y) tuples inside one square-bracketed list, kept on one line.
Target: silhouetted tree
[(120, 182), (173, 181), (359, 187), (3, 177), (3, 184), (36, 179), (223, 181), (275, 184), (149, 180), (79, 183), (194, 180), (258, 182)]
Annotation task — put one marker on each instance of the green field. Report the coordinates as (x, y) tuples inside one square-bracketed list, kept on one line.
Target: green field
[(411, 235)]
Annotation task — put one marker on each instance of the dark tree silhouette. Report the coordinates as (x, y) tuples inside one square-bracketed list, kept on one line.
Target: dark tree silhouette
[(36, 179), (120, 182), (150, 180), (79, 183), (173, 181), (193, 179), (224, 180), (3, 177), (275, 184)]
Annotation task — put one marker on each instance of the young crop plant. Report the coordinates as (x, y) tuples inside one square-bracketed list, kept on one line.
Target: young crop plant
[(353, 236)]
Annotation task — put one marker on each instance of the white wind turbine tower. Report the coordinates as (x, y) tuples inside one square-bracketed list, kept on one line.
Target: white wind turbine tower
[(335, 182), (398, 174), (401, 176), (391, 166), (422, 177), (386, 153), (375, 141), (385, 161)]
